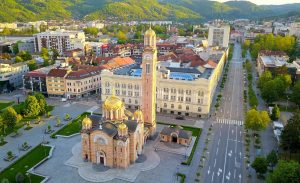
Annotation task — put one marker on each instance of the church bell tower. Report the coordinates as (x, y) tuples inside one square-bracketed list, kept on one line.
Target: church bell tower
[(149, 62)]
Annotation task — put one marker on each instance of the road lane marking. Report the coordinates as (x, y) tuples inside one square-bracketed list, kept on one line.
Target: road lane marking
[(215, 162), (208, 171), (212, 177), (234, 173), (217, 150), (225, 156)]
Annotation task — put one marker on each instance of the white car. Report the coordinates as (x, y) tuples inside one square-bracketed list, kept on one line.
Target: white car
[(63, 99)]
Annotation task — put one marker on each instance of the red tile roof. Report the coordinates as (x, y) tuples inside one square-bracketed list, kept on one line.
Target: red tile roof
[(57, 73), (35, 74), (117, 62), (212, 63), (83, 71)]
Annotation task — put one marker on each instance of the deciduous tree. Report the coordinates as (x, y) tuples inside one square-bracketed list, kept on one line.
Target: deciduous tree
[(256, 120), (275, 113), (285, 172), (272, 159), (264, 78), (290, 135), (296, 93), (42, 102), (260, 165), (10, 117), (32, 107)]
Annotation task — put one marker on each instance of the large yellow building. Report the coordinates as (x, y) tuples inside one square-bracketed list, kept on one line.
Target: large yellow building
[(180, 90), (116, 138)]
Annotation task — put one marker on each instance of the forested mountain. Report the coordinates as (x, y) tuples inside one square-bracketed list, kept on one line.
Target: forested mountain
[(30, 10)]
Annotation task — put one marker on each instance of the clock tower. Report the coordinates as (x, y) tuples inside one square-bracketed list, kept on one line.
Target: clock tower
[(149, 62)]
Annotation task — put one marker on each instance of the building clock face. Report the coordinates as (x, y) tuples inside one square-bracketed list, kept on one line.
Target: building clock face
[(147, 57)]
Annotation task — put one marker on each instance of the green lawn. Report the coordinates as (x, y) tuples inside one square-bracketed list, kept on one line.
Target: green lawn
[(3, 105), (10, 130), (25, 163), (196, 132), (181, 176), (71, 128)]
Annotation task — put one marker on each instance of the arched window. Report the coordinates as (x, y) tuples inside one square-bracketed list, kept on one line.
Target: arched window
[(106, 83), (179, 107), (100, 139), (165, 105), (172, 106)]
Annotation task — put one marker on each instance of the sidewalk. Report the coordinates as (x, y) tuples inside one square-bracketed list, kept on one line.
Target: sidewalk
[(35, 135)]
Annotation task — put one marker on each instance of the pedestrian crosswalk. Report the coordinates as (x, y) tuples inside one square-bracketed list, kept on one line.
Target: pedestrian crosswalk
[(230, 121)]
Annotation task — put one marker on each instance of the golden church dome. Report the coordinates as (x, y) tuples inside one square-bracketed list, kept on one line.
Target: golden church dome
[(150, 32), (138, 114), (112, 103), (122, 126), (86, 122)]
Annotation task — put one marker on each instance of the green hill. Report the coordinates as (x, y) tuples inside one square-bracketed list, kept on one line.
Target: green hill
[(30, 10), (143, 10)]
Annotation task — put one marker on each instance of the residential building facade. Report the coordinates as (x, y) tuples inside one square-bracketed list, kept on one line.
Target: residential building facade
[(12, 73), (218, 35), (61, 40), (83, 81), (56, 82)]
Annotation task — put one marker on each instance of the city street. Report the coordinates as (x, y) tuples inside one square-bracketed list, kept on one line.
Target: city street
[(225, 157)]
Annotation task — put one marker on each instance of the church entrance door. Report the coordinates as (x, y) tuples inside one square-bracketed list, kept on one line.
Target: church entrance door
[(101, 158), (174, 138)]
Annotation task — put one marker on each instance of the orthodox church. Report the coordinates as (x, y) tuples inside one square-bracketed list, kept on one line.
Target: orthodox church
[(117, 138)]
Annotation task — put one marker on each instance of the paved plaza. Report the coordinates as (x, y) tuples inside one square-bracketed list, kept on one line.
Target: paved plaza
[(89, 173), (162, 170)]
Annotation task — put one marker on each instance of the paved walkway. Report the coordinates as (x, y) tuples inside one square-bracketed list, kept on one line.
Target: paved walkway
[(87, 172), (36, 135)]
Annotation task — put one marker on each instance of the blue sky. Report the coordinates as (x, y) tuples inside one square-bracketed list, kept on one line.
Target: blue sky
[(259, 2)]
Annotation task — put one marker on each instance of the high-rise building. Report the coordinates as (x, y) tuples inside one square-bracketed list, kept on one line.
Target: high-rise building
[(61, 40), (218, 35)]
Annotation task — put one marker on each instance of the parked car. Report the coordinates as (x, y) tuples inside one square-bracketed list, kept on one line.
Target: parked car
[(63, 99), (180, 117)]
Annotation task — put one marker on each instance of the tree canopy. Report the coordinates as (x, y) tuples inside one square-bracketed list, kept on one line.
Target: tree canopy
[(91, 31), (32, 65), (10, 117), (285, 172), (260, 165), (42, 102), (32, 107), (256, 120), (290, 135), (271, 42), (272, 158), (275, 113), (264, 78), (296, 93)]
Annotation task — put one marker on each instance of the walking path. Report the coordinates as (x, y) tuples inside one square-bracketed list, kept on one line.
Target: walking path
[(36, 135)]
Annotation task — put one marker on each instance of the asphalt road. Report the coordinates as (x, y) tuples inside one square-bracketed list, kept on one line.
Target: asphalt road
[(225, 158)]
